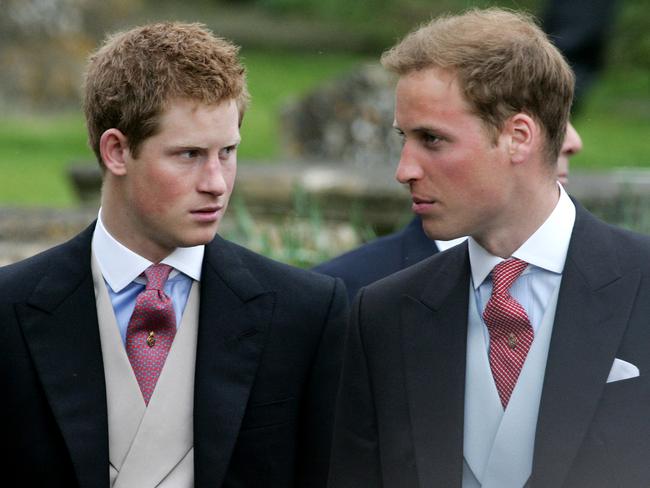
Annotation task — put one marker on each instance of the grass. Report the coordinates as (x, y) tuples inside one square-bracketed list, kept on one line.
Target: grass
[(35, 151), (615, 122), (34, 155)]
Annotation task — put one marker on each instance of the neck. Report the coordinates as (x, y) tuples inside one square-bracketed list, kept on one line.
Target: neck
[(515, 227), (116, 220)]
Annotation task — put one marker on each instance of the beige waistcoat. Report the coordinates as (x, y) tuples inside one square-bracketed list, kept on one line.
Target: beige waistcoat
[(149, 446)]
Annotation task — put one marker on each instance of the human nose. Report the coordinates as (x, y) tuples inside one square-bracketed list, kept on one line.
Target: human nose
[(408, 169), (572, 141), (212, 179)]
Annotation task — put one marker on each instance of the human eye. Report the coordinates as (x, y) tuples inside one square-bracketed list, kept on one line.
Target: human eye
[(227, 151), (429, 139), (190, 153)]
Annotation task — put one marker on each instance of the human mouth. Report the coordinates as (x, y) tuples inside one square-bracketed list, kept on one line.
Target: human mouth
[(422, 205), (208, 213)]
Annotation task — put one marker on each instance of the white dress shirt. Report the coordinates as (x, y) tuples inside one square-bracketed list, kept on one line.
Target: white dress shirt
[(545, 252), (122, 270), (444, 245)]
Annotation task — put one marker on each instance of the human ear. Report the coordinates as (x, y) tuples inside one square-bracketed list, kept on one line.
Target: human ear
[(523, 132), (114, 148)]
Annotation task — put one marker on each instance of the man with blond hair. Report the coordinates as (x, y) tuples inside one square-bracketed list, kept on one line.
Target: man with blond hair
[(390, 253), (147, 351), (519, 357)]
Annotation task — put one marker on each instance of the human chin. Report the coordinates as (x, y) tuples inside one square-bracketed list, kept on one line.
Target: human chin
[(442, 230), (432, 228), (198, 236)]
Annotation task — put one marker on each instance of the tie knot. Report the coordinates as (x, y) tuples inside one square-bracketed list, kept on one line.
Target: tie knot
[(157, 275), (505, 273)]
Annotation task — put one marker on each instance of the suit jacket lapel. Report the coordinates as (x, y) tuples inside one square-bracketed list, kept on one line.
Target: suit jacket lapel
[(434, 336), (593, 309), (234, 316), (61, 329)]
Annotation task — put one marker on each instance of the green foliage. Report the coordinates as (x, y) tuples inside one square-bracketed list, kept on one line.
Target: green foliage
[(35, 152), (629, 211), (615, 122), (301, 237), (326, 8), (380, 22), (403, 13), (630, 46)]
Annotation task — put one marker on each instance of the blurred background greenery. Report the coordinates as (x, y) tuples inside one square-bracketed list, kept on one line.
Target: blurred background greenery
[(289, 47)]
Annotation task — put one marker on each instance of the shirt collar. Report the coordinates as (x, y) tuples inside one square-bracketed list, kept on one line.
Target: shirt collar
[(120, 266), (444, 245), (546, 248)]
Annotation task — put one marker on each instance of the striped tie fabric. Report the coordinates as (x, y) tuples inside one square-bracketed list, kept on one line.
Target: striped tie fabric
[(151, 330), (511, 334)]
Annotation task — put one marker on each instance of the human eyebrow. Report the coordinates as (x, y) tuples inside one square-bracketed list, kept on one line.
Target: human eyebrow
[(422, 132), (184, 148), (426, 129), (429, 132)]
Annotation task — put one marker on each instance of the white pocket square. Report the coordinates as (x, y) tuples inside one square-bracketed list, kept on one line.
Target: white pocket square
[(622, 370)]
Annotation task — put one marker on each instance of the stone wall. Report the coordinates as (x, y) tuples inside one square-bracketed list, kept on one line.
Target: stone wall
[(348, 120), (43, 48)]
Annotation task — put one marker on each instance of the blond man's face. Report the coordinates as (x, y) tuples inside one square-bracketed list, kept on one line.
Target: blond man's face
[(458, 177)]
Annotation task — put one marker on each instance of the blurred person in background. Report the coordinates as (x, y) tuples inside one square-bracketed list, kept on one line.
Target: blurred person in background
[(580, 29)]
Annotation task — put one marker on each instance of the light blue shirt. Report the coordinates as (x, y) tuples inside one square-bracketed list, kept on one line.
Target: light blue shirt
[(545, 252), (122, 270)]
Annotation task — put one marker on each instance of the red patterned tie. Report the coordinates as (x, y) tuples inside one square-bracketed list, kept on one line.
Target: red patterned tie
[(151, 330), (511, 334)]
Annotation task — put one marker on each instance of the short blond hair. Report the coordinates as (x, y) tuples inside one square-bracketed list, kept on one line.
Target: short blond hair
[(504, 63), (132, 77)]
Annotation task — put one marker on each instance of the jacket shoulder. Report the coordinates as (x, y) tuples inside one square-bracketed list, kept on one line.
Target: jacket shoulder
[(276, 274), (630, 249), (66, 260), (427, 273)]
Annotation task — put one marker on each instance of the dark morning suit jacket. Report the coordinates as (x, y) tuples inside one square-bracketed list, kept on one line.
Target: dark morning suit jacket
[(380, 257), (267, 368), (401, 404)]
